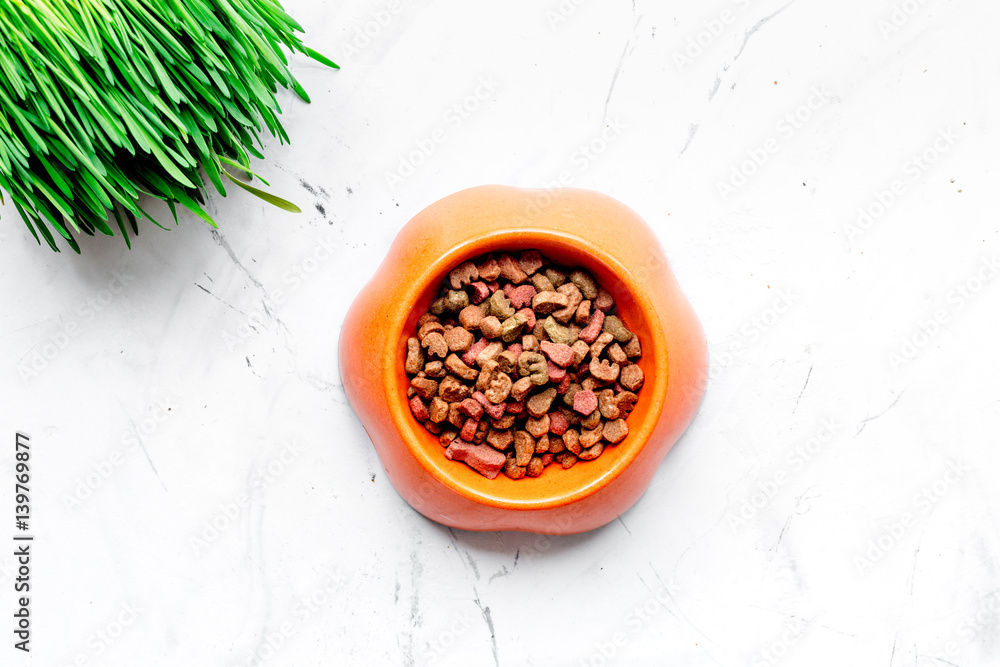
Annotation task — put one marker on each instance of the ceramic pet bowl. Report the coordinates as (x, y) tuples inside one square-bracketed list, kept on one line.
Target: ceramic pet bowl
[(574, 228)]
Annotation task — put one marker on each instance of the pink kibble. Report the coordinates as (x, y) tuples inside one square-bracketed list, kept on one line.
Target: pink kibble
[(556, 373), (468, 431), (494, 410), (515, 408), (480, 292), (469, 357), (593, 329), (471, 408), (530, 314), (584, 402), (559, 353), (564, 385), (482, 458), (494, 286), (419, 410), (547, 458), (558, 423), (521, 296), (516, 349)]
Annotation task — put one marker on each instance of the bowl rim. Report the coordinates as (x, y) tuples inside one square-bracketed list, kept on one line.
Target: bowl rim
[(514, 239)]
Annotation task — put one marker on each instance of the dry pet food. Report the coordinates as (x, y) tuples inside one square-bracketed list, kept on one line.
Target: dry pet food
[(521, 363)]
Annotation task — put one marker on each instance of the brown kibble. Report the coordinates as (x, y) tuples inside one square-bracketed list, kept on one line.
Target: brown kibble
[(499, 439), (617, 354), (488, 269), (455, 301), (566, 460), (426, 388), (432, 427), (490, 327), (458, 339), (540, 403), (435, 344), (458, 367), (533, 365), (597, 347), (524, 447), (414, 356), (470, 317), (614, 326), (591, 436), (592, 452), (542, 284), (510, 269), (437, 306), (530, 261), (574, 299), (511, 328), (557, 333), (615, 431), (512, 470), (571, 393), (535, 467), (571, 439), (463, 274), (455, 416), (580, 352), (503, 422), (582, 316), (499, 306), (604, 301), (608, 405), (537, 426), (447, 437), (452, 390), (585, 282), (519, 390), (626, 402), (542, 443), (435, 369), (556, 444), (592, 420), (555, 276), (438, 410), (603, 371), (429, 328), (631, 377), (547, 302), (589, 384), (507, 361), (499, 388), (425, 318), (529, 343), (633, 349), (489, 353)]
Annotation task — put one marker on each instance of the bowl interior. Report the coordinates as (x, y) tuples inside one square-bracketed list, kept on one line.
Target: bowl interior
[(555, 486)]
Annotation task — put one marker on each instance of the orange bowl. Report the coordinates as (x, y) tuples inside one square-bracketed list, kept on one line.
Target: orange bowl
[(574, 228)]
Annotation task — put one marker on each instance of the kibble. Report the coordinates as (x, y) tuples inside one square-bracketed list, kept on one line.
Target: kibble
[(520, 363)]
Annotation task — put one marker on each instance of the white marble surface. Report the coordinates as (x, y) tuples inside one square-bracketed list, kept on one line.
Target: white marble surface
[(193, 380)]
